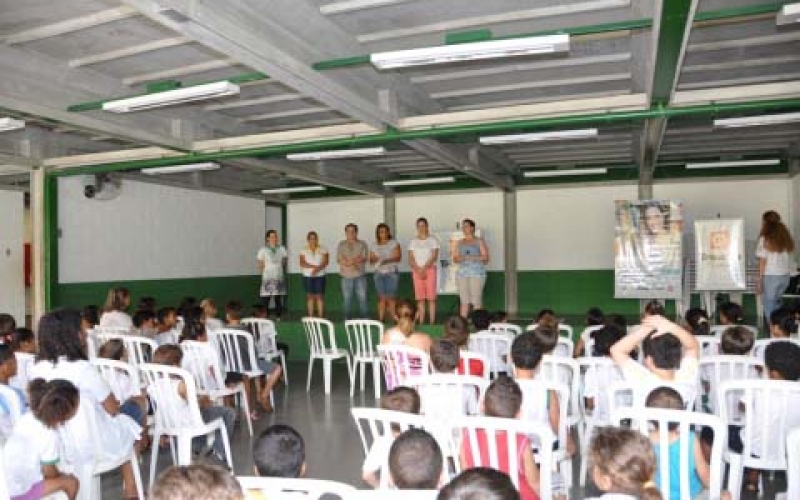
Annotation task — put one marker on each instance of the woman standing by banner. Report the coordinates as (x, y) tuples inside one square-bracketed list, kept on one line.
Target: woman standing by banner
[(471, 255), (775, 260)]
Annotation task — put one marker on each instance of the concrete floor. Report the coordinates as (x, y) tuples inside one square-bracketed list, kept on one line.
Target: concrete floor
[(333, 448)]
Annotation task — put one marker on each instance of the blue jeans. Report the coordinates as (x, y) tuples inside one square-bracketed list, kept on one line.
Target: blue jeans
[(386, 284), (772, 292), (359, 287)]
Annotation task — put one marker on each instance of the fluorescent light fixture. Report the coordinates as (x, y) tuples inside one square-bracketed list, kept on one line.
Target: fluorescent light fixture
[(471, 51), (181, 169), (7, 124), (738, 163), (337, 154), (557, 135), (296, 189), (565, 173), (420, 182), (789, 14), (755, 121), (172, 97)]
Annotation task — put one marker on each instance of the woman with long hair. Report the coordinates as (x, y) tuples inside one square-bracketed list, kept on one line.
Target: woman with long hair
[(114, 314), (385, 254), (471, 254), (775, 260)]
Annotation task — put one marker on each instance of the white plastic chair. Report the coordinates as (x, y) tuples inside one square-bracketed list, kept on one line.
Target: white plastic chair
[(588, 340), (25, 362), (321, 337), (279, 488), (238, 352), (266, 337), (716, 330), (565, 348), (401, 362), (793, 462), (202, 360), (395, 495), (362, 337), (466, 356), (760, 346), (770, 413), (714, 370), (496, 347), (471, 427), (659, 420), (98, 336), (709, 345), (443, 395), (121, 377), (14, 408), (564, 330), (509, 328), (140, 349), (180, 420), (627, 394)]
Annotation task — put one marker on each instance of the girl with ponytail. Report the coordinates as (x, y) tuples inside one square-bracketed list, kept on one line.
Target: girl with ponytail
[(623, 464), (403, 332)]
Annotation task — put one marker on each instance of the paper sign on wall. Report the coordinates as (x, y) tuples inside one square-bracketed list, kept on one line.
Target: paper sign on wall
[(719, 245)]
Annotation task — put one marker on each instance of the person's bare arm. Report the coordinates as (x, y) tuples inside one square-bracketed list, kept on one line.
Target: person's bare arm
[(762, 266), (621, 350), (700, 465), (371, 478), (397, 256), (554, 412), (484, 252), (412, 262), (304, 263), (433, 259), (111, 405), (530, 469), (325, 261), (691, 348), (454, 253), (261, 265)]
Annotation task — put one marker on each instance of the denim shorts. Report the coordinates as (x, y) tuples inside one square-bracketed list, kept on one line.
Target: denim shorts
[(314, 285), (386, 284)]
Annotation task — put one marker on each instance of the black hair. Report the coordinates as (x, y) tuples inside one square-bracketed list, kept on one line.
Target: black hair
[(480, 483), (193, 328), (617, 320), (732, 311), (654, 308), (112, 349), (270, 232), (378, 228), (60, 336), (279, 452), (444, 356), (91, 315), (349, 225), (415, 461), (469, 222), (736, 340), (6, 354), (143, 315), (481, 318), (187, 303), (604, 338), (7, 326), (503, 398), (697, 319), (526, 352), (665, 350), (21, 335), (546, 337), (499, 317), (422, 219), (595, 317), (783, 357), (168, 354), (162, 313), (456, 329), (234, 309), (53, 402), (783, 319), (147, 303), (666, 398), (544, 312)]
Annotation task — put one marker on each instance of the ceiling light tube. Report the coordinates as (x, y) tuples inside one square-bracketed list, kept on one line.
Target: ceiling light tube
[(172, 97), (337, 154), (755, 121), (556, 135), (738, 163), (564, 173), (7, 124), (182, 169), (420, 182), (789, 14), (295, 189), (471, 51)]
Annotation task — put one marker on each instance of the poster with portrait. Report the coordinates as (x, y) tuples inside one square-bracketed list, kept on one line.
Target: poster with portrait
[(446, 279), (719, 254), (648, 249)]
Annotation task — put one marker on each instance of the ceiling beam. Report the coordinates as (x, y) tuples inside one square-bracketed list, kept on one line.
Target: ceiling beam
[(190, 69), (345, 6), (70, 25), (133, 50), (205, 187)]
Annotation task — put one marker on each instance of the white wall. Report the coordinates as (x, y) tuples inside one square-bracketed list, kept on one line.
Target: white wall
[(12, 256), (444, 210), (794, 213), (275, 218), (328, 219), (152, 232), (566, 228)]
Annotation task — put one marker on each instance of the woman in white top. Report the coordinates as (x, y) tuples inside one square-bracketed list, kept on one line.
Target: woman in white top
[(385, 254), (118, 301), (775, 260), (423, 252), (313, 260), (272, 264), (61, 357)]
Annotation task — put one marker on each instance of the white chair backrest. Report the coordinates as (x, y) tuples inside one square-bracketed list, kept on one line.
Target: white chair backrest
[(171, 410), (588, 340), (717, 369), (236, 348), (760, 346), (278, 488), (496, 347), (634, 394), (396, 495), (401, 362), (603, 372), (444, 395), (485, 432), (793, 462), (564, 330), (709, 345), (98, 336), (25, 362), (14, 408), (321, 335), (563, 370), (466, 356), (121, 377), (140, 349), (203, 362), (536, 401), (3, 481), (505, 328), (717, 330), (362, 337), (770, 411), (654, 422), (564, 347), (264, 334)]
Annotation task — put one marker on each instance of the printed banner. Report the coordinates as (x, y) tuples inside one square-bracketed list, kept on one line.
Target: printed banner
[(648, 251), (720, 258)]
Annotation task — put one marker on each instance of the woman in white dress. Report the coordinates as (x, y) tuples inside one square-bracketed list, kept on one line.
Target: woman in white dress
[(272, 264), (114, 314)]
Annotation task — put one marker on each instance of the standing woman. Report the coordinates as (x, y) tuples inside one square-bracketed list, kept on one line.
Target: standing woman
[(774, 252), (423, 252), (118, 301), (471, 254), (313, 260), (272, 263), (384, 255)]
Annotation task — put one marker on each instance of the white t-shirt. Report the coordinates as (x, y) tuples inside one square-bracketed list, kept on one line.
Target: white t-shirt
[(25, 363), (29, 447), (273, 261), (116, 319), (685, 376), (214, 324), (778, 264), (423, 249), (594, 387), (314, 259)]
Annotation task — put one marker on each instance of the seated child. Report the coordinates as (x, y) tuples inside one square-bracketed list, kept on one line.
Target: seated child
[(279, 452), (622, 464), (7, 326), (481, 483), (260, 312), (595, 319), (403, 332), (171, 355), (782, 323), (526, 354), (144, 323), (597, 381), (481, 319), (122, 386), (500, 317), (31, 454), (653, 308), (737, 341), (147, 304), (445, 359), (403, 399), (416, 461), (23, 342), (12, 405), (456, 330), (210, 315), (730, 313), (504, 400), (196, 482), (167, 326), (697, 321)]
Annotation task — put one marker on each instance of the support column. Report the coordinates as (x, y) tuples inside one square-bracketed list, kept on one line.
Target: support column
[(510, 251), (38, 244), (390, 211)]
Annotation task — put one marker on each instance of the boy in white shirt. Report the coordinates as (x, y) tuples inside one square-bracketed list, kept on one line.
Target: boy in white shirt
[(444, 359)]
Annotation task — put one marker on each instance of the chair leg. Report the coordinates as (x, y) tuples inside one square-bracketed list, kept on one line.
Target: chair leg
[(137, 475), (363, 369), (735, 473), (285, 373), (226, 444), (154, 456), (246, 408), (353, 379), (326, 374), (308, 379), (565, 468), (376, 379), (184, 450)]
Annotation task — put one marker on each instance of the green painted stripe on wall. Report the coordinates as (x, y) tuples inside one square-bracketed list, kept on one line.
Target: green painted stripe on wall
[(571, 292)]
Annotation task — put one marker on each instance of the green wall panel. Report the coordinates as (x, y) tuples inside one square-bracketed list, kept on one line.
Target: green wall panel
[(571, 293)]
